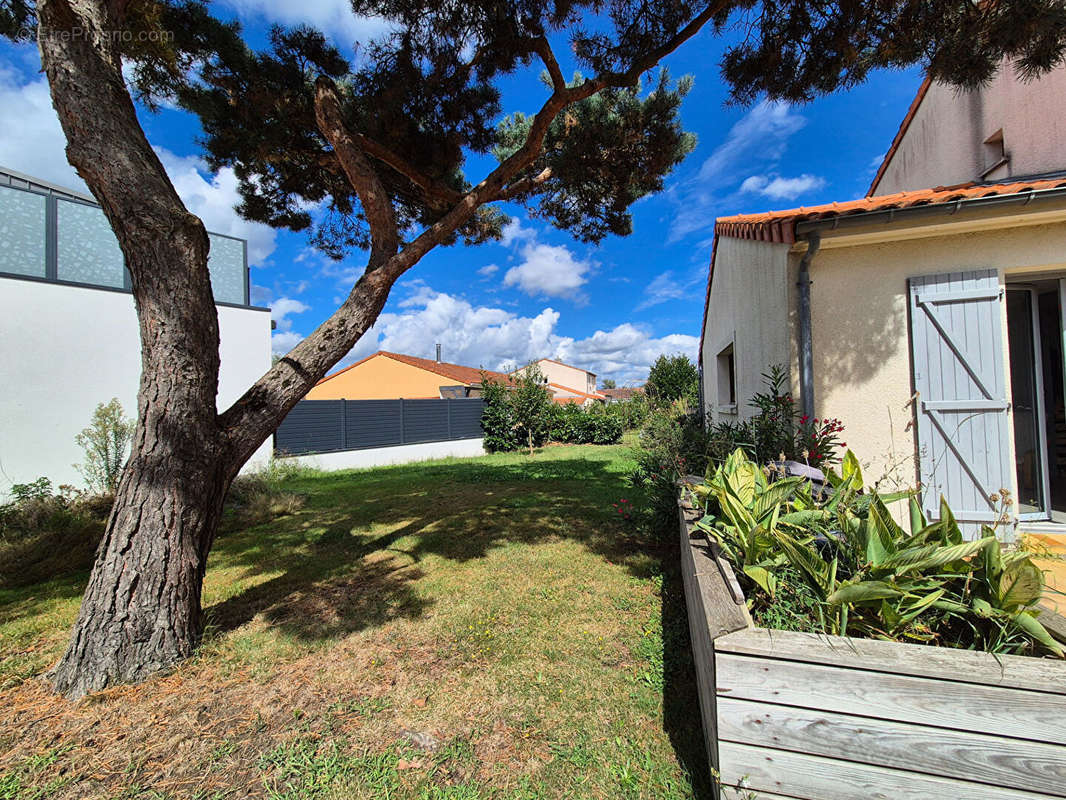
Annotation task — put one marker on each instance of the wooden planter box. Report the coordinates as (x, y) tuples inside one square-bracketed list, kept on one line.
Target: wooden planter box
[(798, 715)]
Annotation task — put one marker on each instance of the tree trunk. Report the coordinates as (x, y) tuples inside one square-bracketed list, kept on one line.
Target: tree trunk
[(141, 610)]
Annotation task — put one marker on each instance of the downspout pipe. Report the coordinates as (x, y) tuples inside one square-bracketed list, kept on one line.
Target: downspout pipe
[(806, 347)]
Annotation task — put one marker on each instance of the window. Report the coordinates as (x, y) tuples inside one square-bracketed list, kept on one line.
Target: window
[(995, 153), (727, 380)]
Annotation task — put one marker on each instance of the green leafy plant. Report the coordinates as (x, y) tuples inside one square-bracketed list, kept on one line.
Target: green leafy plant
[(106, 442), (673, 378), (868, 576), (778, 430)]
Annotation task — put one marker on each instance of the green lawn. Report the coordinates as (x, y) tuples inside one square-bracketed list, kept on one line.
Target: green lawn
[(499, 606)]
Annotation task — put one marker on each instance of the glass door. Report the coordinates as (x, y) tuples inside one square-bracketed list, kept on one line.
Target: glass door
[(1030, 448)]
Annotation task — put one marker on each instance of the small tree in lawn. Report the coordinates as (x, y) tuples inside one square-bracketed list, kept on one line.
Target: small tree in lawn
[(106, 443), (673, 378), (531, 403), (366, 150)]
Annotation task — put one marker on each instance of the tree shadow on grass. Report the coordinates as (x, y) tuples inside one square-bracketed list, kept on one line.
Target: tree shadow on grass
[(341, 569)]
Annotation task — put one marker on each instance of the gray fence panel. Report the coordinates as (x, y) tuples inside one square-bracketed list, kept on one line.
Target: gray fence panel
[(425, 421), (372, 423), (313, 426), (466, 418), (326, 426)]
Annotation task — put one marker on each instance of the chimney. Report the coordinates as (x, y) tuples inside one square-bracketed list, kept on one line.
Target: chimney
[(438, 353)]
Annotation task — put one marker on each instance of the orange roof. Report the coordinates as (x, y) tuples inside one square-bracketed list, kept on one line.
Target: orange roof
[(903, 126), (455, 372), (587, 395), (780, 226)]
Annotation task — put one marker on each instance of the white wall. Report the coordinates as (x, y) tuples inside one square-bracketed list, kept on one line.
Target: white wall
[(750, 309), (65, 349), (383, 456), (944, 143)]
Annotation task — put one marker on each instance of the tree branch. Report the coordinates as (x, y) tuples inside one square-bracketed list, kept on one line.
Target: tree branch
[(435, 192), (525, 185), (380, 214), (544, 49)]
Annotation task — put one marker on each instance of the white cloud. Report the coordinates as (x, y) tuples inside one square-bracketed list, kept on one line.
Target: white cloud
[(668, 286), (334, 18), (488, 270), (212, 198), (494, 338), (281, 308), (36, 146), (779, 188), (283, 341), (31, 140), (514, 231), (549, 271), (757, 141)]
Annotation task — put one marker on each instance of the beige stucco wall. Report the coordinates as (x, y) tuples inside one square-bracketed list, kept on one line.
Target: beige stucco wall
[(749, 309), (944, 143), (571, 377), (380, 378), (862, 363)]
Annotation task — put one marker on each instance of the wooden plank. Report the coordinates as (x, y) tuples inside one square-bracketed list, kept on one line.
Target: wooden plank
[(966, 666), (995, 760), (816, 778), (993, 710)]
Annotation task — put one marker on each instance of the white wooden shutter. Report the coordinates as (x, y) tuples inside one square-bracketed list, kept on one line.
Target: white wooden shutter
[(957, 352)]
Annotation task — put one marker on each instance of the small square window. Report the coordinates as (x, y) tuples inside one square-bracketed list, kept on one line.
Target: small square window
[(727, 378)]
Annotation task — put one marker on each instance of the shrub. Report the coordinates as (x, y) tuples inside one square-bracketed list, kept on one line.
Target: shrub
[(572, 424), (524, 416), (631, 413), (264, 494), (673, 378), (46, 533), (779, 430), (497, 421), (106, 442), (840, 562)]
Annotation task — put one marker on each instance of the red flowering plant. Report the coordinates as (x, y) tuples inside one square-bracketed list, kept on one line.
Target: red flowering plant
[(624, 509), (779, 430), (818, 440)]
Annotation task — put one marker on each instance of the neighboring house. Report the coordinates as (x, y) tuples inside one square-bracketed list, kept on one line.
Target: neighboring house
[(929, 320), (568, 385), (69, 337), (622, 393), (387, 376)]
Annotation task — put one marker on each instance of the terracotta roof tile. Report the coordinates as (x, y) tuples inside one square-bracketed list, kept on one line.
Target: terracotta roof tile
[(455, 372), (587, 395), (780, 226)]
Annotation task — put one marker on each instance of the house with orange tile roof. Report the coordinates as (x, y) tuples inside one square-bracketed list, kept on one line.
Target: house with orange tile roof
[(568, 384), (927, 316), (387, 376)]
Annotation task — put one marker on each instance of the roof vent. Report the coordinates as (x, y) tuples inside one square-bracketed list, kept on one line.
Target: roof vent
[(438, 353)]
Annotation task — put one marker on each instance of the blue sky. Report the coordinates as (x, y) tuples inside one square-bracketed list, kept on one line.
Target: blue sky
[(612, 308)]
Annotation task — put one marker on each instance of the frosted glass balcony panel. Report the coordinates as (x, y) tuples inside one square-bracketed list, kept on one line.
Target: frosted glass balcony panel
[(87, 251), (226, 264), (22, 232)]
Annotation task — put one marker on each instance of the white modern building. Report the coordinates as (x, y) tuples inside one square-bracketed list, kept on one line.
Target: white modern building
[(68, 329)]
